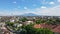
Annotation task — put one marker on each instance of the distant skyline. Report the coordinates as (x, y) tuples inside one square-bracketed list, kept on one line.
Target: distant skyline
[(39, 7)]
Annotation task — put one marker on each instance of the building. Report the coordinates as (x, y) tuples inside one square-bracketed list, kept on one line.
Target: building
[(54, 28), (27, 22)]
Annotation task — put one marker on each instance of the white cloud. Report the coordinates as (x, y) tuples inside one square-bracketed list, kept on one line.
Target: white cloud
[(51, 3), (4, 13), (54, 11), (12, 12), (58, 0), (43, 1), (43, 7), (14, 2), (25, 8)]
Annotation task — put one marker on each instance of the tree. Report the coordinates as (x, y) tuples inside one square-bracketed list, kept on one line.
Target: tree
[(9, 23), (23, 19), (57, 21), (30, 30), (48, 31), (40, 21), (23, 31), (43, 31)]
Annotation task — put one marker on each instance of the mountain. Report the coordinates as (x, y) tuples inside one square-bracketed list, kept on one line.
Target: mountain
[(29, 14)]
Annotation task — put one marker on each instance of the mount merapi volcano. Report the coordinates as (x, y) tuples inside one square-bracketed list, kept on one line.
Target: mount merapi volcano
[(29, 14)]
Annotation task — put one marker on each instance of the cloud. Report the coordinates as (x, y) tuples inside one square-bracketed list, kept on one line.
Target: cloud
[(14, 2), (25, 8), (10, 12), (53, 11), (58, 0), (15, 11), (4, 13), (43, 1), (51, 3), (43, 7)]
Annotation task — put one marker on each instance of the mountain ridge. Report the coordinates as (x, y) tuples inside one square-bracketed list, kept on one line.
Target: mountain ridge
[(29, 14)]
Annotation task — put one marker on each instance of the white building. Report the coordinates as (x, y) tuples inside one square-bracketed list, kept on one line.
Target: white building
[(19, 25), (28, 22), (12, 20)]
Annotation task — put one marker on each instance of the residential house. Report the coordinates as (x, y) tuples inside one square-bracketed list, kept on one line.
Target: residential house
[(54, 28), (27, 22)]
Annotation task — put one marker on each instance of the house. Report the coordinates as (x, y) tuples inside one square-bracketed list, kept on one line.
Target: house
[(4, 30), (54, 28), (27, 22), (19, 25), (12, 20)]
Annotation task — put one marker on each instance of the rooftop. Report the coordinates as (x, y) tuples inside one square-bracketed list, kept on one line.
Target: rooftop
[(54, 28)]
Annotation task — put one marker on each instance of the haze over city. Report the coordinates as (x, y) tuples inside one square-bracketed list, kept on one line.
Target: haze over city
[(38, 7)]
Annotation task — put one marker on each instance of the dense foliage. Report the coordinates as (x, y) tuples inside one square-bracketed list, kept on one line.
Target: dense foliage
[(23, 19), (30, 30)]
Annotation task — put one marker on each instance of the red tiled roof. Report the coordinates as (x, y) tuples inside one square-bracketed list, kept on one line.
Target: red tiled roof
[(37, 26), (57, 29), (40, 26), (54, 28)]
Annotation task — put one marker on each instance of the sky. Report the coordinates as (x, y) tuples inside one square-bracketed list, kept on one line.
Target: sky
[(39, 7)]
